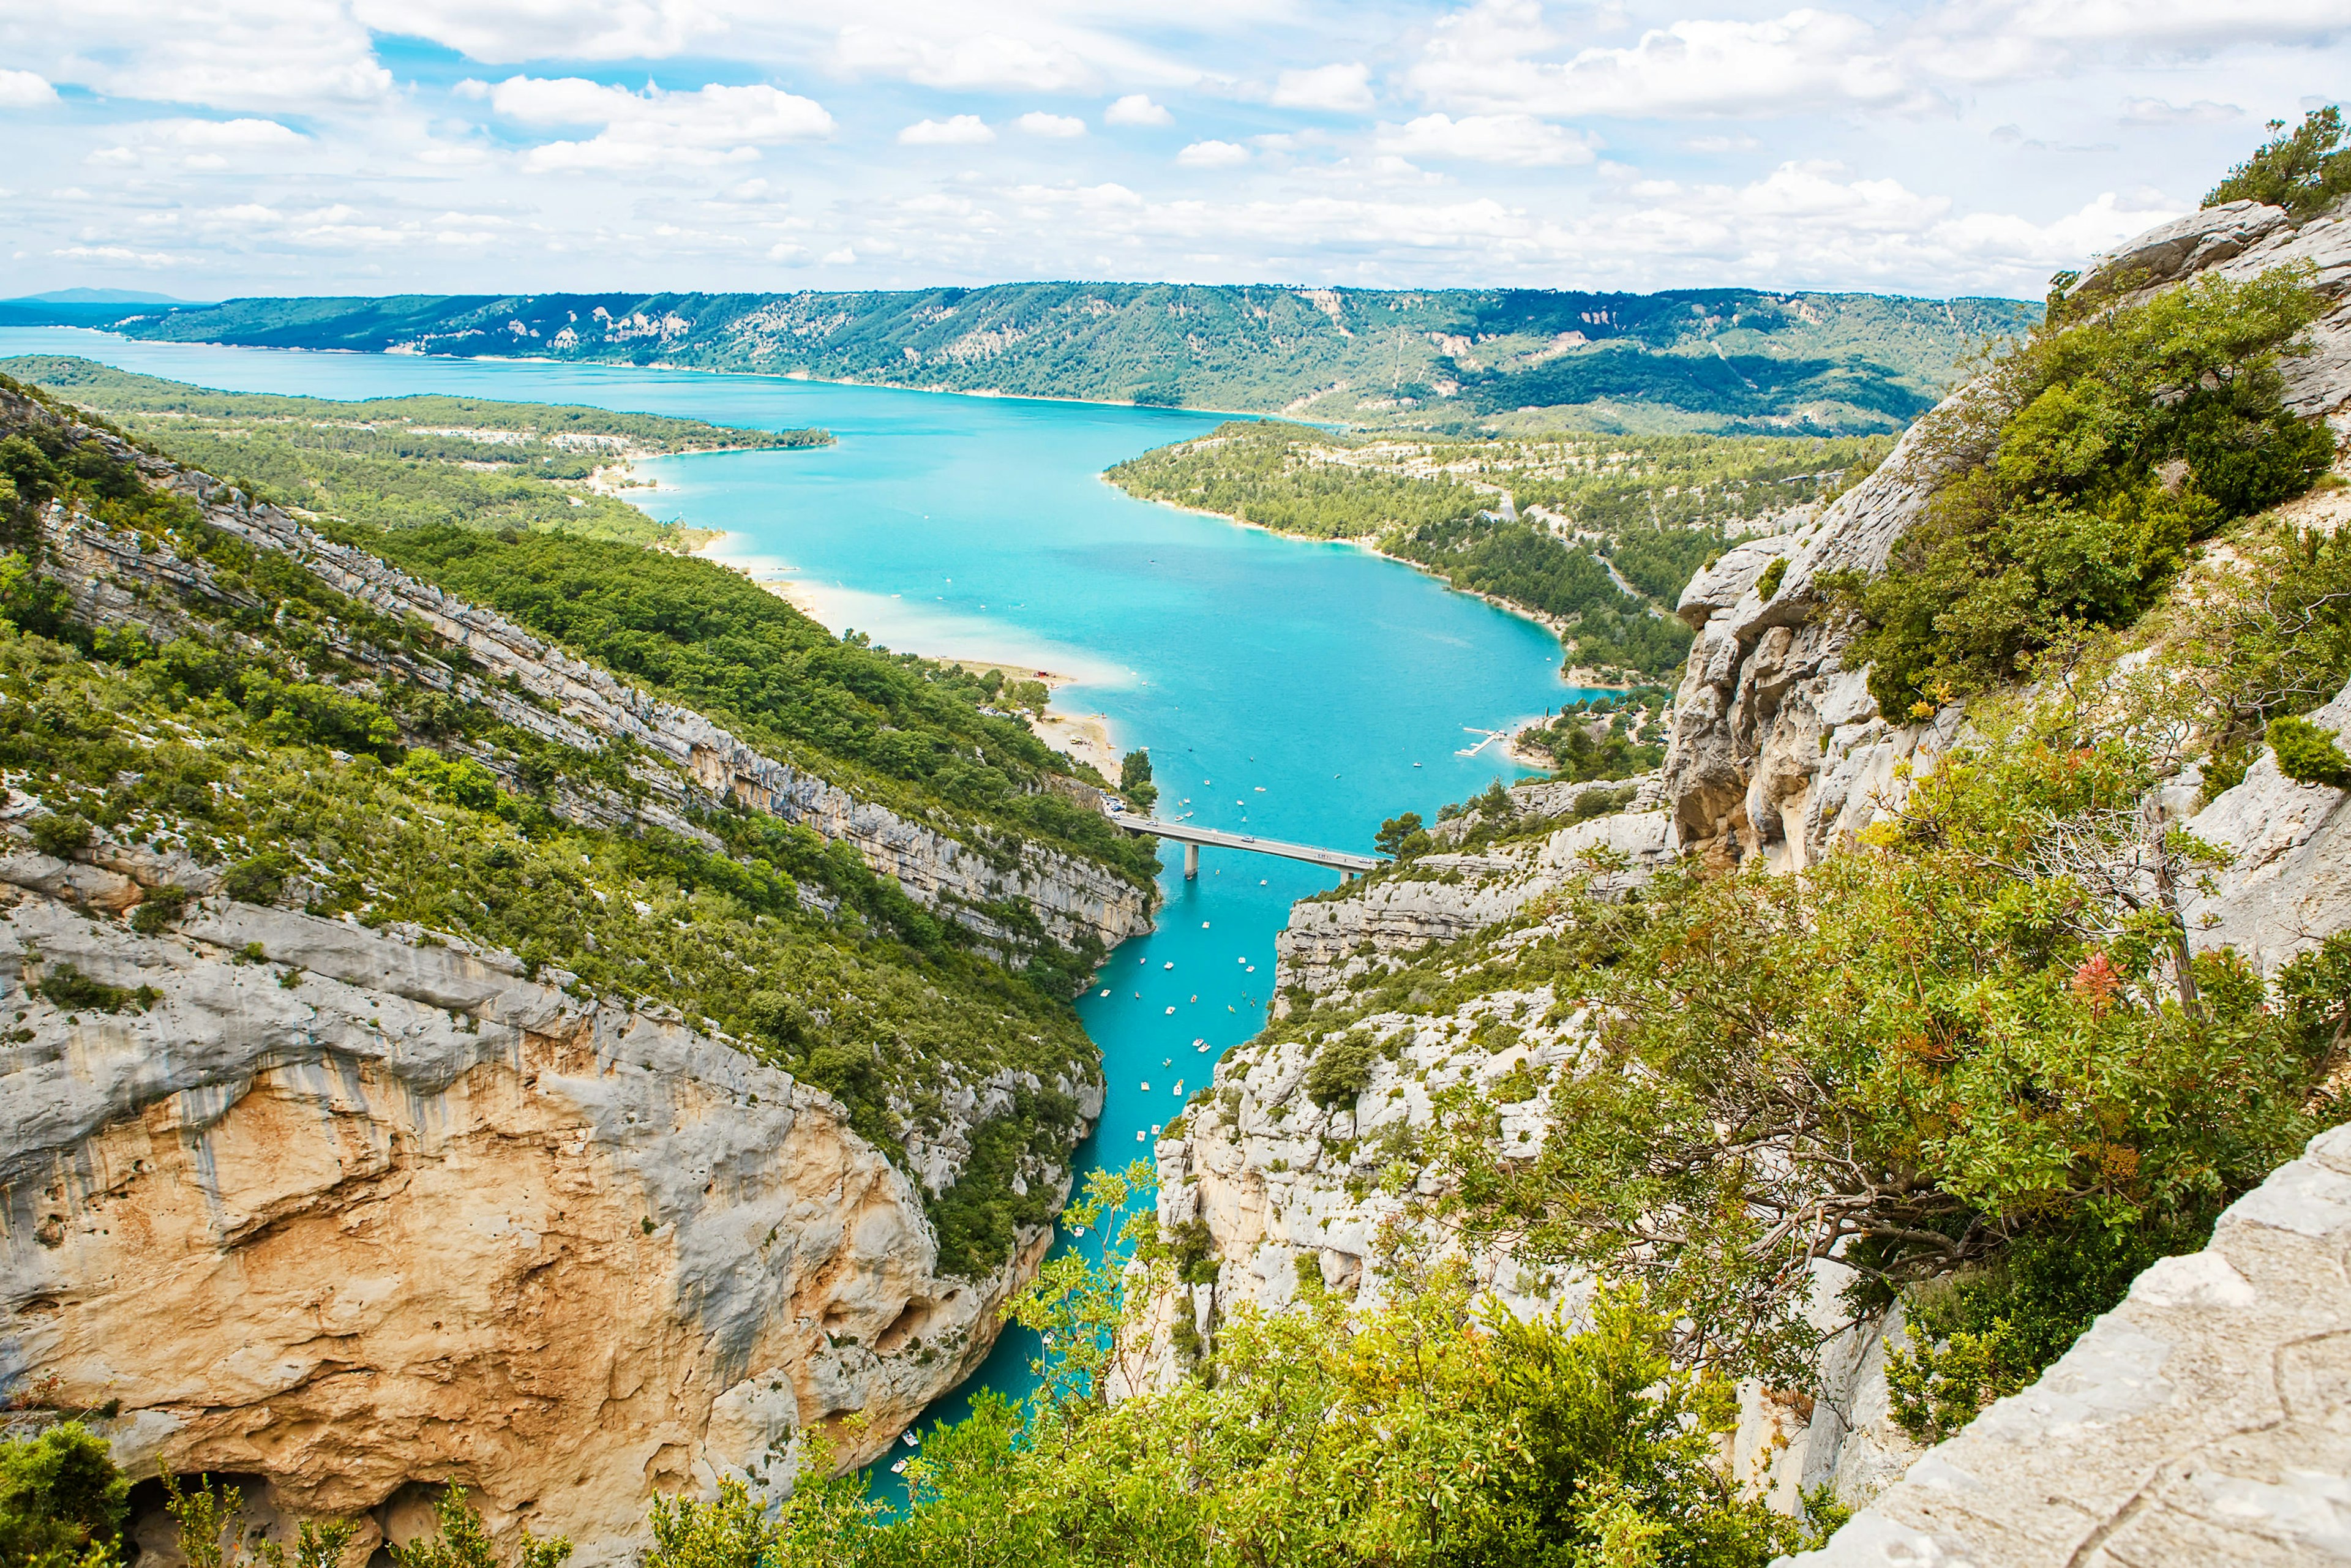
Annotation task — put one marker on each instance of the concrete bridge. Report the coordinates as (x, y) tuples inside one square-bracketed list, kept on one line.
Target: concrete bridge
[(1192, 837)]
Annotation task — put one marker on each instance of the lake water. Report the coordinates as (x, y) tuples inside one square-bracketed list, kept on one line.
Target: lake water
[(1285, 688)]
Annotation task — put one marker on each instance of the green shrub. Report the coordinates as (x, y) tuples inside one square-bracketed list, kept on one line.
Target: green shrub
[(158, 909), (1342, 1069), (67, 987), (258, 880), (62, 1501), (2080, 475), (1773, 575), (61, 833), (2305, 170), (461, 1541), (2309, 755)]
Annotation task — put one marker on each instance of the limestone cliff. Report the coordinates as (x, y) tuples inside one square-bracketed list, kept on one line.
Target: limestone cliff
[(352, 1215), (1777, 749)]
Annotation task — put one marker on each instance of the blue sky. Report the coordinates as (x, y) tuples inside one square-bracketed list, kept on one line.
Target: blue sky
[(204, 148)]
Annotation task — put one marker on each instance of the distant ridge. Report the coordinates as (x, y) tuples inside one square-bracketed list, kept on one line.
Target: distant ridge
[(1686, 359), (96, 297)]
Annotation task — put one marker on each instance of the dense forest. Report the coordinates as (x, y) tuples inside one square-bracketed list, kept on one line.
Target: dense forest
[(1461, 359), (1596, 534)]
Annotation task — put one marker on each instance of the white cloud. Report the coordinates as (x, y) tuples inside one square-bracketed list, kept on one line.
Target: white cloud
[(1339, 89), (1136, 109), (25, 89), (2155, 111), (1804, 60), (116, 253), (1037, 122), (960, 130), (220, 54), (844, 256), (976, 60), (508, 32), (655, 128), (1520, 140), (1212, 155)]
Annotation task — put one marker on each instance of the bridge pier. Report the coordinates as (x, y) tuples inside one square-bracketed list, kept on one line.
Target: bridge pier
[(1191, 863)]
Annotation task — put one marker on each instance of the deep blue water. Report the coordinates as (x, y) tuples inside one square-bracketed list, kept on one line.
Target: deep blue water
[(1290, 689)]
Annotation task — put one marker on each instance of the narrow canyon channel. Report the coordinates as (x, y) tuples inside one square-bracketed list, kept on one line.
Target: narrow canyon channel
[(1286, 688)]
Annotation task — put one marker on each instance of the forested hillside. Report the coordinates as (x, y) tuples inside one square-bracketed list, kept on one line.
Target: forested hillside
[(394, 463), (1453, 359), (1595, 534)]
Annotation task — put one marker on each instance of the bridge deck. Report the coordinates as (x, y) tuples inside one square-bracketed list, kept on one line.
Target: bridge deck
[(1185, 833)]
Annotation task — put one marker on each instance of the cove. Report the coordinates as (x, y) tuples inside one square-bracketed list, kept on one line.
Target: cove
[(1286, 688)]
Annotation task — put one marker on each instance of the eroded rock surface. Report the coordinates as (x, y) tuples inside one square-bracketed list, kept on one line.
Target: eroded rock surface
[(363, 1215), (2202, 1421)]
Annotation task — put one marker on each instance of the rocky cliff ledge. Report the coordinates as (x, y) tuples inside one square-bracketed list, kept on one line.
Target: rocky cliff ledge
[(351, 1216)]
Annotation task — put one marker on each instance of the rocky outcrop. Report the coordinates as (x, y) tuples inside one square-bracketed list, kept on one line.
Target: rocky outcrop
[(2202, 1421), (1440, 897), (680, 758), (352, 1215), (2285, 885), (1275, 1182), (1777, 749)]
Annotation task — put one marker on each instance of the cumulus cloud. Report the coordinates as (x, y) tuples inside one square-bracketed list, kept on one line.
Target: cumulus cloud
[(1339, 89), (2155, 111), (976, 60), (1136, 109), (1520, 140), (1802, 60), (1037, 122), (508, 32), (266, 55), (25, 89), (960, 130), (655, 128), (1213, 155)]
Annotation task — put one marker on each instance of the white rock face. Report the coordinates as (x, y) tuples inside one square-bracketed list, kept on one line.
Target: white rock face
[(370, 1214), (2287, 885), (2202, 1421)]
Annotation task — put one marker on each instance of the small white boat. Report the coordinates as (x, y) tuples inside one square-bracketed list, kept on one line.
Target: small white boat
[(911, 1439), (1171, 1012), (1081, 1231), (899, 1469), (1146, 1087), (1202, 1047), (1179, 1087), (1139, 1137), (1169, 964)]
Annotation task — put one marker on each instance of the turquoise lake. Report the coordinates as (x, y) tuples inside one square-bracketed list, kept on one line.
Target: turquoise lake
[(1285, 688)]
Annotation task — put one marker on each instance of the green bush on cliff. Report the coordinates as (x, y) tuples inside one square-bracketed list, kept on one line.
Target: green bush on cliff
[(62, 1502), (2308, 754), (2080, 470), (2305, 170)]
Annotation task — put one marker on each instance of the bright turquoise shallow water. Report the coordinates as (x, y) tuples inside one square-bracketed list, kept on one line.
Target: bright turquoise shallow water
[(1288, 689)]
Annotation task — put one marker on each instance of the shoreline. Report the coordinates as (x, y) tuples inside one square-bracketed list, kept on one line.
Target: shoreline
[(1083, 737), (1367, 543)]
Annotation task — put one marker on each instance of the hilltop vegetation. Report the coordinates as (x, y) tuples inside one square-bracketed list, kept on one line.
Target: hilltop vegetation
[(267, 744), (1596, 534), (1689, 360), (392, 463)]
